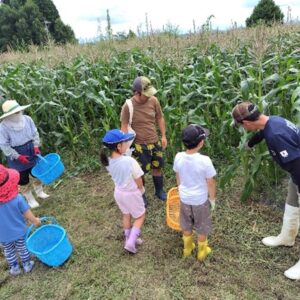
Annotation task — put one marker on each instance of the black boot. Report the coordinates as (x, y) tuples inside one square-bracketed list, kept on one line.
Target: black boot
[(158, 184), (145, 200)]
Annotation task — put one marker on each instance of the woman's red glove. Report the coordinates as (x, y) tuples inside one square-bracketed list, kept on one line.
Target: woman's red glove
[(36, 150), (23, 159)]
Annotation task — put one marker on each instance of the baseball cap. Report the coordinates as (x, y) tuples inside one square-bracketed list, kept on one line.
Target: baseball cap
[(193, 134), (116, 136), (143, 85), (243, 111)]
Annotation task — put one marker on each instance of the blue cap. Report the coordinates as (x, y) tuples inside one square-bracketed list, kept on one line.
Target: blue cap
[(115, 136)]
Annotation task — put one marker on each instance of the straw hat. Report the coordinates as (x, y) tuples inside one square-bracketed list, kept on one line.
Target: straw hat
[(11, 107), (9, 179)]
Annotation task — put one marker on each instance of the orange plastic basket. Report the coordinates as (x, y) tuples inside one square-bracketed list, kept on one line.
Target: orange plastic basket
[(173, 209)]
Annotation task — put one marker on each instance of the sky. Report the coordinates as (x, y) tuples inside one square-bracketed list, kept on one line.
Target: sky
[(88, 18)]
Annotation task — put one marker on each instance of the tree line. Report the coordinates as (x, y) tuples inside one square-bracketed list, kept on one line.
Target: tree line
[(27, 22), (37, 22)]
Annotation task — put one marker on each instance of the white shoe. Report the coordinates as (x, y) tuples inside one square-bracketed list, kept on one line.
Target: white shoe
[(279, 240), (289, 230), (43, 195), (39, 191), (31, 200), (293, 272)]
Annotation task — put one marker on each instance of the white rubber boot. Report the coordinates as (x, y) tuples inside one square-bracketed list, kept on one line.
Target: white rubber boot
[(289, 230), (30, 199), (293, 272), (38, 188)]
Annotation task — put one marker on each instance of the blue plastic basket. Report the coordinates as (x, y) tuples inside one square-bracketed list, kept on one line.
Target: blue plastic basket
[(48, 168), (49, 243)]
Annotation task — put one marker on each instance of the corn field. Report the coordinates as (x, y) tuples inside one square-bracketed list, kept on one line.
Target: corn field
[(74, 101)]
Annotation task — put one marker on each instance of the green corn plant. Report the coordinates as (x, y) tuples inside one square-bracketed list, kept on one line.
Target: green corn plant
[(76, 100)]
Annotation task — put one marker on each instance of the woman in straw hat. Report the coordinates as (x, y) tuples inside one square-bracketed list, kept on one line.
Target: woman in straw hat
[(19, 141), (13, 210)]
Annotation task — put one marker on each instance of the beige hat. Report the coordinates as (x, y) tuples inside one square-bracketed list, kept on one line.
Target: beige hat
[(11, 107), (143, 85)]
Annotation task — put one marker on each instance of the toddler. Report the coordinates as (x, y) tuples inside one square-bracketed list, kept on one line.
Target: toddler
[(127, 176), (196, 185), (13, 210)]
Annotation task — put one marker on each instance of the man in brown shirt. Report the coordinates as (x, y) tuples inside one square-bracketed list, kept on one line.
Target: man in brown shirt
[(148, 147)]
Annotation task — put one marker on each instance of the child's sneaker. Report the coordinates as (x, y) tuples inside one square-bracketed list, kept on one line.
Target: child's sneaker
[(28, 266), (15, 270)]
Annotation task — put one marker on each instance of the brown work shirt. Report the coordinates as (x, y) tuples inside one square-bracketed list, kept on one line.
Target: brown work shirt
[(144, 121)]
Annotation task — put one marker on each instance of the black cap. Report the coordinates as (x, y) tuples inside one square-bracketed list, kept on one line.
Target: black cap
[(193, 134)]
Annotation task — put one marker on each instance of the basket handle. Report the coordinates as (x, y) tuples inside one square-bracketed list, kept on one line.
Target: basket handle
[(42, 158), (43, 219)]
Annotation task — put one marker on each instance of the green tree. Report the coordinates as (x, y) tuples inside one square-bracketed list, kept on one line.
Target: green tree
[(25, 22), (266, 11), (49, 16), (33, 32), (8, 19), (14, 3), (60, 32), (20, 26), (48, 11), (63, 33)]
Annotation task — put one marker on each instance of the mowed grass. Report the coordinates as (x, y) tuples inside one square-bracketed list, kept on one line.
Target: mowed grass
[(240, 267)]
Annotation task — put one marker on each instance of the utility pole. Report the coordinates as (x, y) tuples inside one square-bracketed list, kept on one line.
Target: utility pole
[(47, 30)]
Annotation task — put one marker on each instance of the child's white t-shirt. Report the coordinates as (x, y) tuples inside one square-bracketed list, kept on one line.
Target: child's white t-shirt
[(193, 170), (123, 170)]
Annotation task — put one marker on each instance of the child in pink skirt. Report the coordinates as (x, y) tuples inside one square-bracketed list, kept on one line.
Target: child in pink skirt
[(127, 176)]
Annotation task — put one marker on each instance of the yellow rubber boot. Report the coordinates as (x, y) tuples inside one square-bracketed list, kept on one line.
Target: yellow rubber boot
[(188, 245), (203, 250)]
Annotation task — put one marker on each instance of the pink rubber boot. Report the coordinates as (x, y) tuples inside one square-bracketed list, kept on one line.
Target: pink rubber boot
[(126, 236), (131, 241)]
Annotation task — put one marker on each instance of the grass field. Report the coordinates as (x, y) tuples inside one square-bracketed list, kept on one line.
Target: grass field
[(240, 267)]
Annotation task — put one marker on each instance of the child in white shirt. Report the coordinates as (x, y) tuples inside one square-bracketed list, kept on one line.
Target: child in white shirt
[(197, 188), (127, 176)]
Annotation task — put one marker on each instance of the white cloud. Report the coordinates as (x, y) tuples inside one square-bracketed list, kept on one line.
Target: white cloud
[(84, 16)]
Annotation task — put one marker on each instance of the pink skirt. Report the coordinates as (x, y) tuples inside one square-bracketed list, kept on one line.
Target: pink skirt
[(130, 202)]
